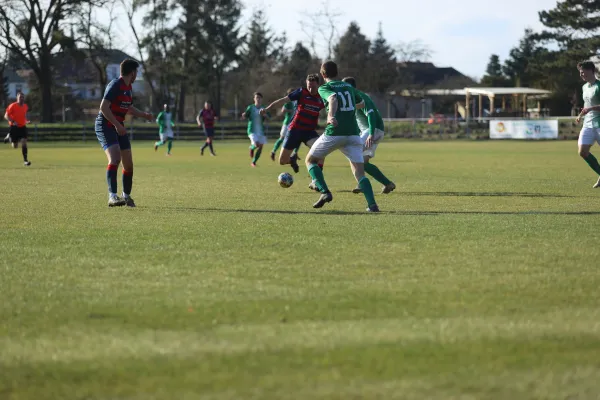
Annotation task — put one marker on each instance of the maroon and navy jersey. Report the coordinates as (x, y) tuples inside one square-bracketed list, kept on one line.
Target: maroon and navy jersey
[(208, 117), (307, 110), (120, 96)]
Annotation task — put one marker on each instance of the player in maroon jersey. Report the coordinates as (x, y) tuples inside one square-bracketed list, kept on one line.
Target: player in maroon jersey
[(207, 117), (303, 127), (112, 135)]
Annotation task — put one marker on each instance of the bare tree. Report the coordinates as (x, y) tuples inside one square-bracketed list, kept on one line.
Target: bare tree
[(95, 36), (321, 29), (413, 51), (131, 7), (32, 30)]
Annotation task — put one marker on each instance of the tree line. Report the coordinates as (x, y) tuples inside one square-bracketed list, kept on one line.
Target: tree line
[(548, 59), (202, 46)]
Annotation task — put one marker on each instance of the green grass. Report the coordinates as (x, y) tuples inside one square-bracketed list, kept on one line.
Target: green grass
[(479, 280)]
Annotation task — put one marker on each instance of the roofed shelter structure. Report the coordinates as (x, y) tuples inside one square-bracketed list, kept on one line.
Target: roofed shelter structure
[(492, 93)]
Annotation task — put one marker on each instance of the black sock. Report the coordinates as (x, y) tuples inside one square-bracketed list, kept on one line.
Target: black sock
[(211, 148), (24, 151), (127, 181), (111, 178), (205, 146)]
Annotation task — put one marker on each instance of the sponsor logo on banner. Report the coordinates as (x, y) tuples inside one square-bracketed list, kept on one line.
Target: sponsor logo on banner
[(524, 129)]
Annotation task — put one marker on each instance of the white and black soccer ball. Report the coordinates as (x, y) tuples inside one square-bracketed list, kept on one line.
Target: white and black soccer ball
[(285, 180)]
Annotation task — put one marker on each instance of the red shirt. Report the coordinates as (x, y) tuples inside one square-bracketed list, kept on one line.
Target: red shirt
[(17, 113)]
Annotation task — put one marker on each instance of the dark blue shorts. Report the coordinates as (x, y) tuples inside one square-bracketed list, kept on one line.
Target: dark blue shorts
[(209, 132), (108, 136), (294, 137)]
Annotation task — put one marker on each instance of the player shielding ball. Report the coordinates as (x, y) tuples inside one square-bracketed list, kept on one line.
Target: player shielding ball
[(341, 133), (302, 128), (371, 127), (112, 135), (165, 129), (590, 132), (256, 130), (16, 115)]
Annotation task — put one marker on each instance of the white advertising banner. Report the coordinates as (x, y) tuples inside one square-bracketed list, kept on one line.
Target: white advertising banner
[(524, 129)]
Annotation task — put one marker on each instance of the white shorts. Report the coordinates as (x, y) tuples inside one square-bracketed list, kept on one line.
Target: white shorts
[(377, 137), (166, 134), (589, 136), (284, 130), (350, 146), (257, 138)]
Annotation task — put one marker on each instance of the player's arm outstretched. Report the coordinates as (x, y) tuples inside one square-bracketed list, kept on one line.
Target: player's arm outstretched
[(140, 114), (275, 104)]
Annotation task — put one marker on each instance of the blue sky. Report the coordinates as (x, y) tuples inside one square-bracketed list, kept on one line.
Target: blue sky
[(461, 34)]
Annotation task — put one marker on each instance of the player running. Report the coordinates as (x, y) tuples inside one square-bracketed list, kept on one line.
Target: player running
[(256, 132), (370, 124), (112, 135), (288, 111), (16, 115), (590, 132), (207, 117), (341, 133), (165, 129), (302, 128)]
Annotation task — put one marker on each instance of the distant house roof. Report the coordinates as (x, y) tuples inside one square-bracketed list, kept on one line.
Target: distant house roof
[(426, 74), (17, 76), (75, 66)]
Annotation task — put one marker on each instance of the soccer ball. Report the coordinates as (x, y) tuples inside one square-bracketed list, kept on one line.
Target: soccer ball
[(285, 180)]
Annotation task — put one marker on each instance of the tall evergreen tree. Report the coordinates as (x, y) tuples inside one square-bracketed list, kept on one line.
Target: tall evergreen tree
[(220, 47), (299, 64), (494, 76), (519, 65), (382, 69), (352, 52)]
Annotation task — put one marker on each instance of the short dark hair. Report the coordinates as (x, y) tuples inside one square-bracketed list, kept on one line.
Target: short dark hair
[(587, 65), (208, 102), (350, 80), (329, 69), (128, 66), (313, 77), (259, 94)]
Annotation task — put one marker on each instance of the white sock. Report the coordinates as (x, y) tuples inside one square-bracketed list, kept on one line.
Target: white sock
[(125, 196), (112, 195)]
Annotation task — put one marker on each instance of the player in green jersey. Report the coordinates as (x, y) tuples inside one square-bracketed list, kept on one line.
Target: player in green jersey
[(590, 132), (288, 110), (256, 132), (341, 133), (165, 129), (371, 127)]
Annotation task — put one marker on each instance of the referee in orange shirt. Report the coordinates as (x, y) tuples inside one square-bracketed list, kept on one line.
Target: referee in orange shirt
[(16, 115)]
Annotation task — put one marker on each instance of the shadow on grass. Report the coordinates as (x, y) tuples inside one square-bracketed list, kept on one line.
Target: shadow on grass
[(384, 212), (483, 194)]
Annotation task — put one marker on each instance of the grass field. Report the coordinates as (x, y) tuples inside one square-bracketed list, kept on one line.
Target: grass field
[(479, 279)]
